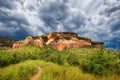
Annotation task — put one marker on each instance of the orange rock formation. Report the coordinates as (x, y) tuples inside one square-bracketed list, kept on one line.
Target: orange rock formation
[(58, 40)]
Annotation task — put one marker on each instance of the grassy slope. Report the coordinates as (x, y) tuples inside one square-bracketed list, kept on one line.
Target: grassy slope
[(15, 67), (24, 71)]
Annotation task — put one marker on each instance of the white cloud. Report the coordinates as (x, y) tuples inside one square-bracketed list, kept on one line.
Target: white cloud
[(96, 23)]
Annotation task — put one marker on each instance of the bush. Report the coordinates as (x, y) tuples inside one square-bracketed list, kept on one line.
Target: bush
[(7, 58), (101, 64), (16, 56), (73, 59)]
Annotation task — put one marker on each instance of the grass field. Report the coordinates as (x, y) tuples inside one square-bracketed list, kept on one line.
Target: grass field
[(83, 63)]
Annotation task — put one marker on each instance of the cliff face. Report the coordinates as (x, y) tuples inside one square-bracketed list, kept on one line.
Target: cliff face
[(38, 41), (58, 40)]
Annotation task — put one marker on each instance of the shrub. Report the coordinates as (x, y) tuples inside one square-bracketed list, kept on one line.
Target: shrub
[(73, 59), (17, 55), (101, 64)]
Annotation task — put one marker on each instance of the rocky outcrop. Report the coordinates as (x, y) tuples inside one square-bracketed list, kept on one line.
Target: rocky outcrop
[(58, 40), (97, 44), (29, 40)]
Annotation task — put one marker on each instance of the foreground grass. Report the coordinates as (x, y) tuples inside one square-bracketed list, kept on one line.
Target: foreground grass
[(72, 64), (51, 71)]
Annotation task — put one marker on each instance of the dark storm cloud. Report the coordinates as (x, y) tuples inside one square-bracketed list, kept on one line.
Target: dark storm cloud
[(18, 34), (6, 4), (22, 34), (114, 44), (14, 23), (116, 27), (112, 10), (5, 18)]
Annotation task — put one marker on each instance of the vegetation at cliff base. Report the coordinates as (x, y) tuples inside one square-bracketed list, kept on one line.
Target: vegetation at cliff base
[(82, 63)]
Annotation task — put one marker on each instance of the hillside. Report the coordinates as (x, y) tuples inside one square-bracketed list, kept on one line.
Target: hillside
[(77, 63), (5, 41)]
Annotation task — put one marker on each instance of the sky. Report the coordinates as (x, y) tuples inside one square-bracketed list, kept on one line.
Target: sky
[(95, 19)]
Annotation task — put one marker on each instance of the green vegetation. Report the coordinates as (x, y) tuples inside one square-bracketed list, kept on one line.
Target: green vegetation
[(5, 41), (50, 71), (72, 64), (102, 64)]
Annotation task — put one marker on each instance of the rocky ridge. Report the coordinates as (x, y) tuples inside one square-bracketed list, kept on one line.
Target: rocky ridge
[(58, 40)]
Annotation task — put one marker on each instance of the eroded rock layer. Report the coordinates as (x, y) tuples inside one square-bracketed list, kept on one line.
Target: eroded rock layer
[(58, 40)]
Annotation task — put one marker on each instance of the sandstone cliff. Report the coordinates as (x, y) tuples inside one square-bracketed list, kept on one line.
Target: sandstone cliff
[(58, 40)]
